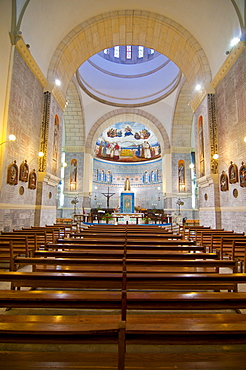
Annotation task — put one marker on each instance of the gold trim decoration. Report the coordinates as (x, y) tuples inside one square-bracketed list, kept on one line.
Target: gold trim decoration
[(28, 58), (197, 99), (228, 63)]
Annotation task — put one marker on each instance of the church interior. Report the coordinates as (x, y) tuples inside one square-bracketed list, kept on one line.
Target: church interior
[(123, 137)]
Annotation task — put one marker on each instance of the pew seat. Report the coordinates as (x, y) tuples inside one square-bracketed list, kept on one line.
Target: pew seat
[(16, 360)]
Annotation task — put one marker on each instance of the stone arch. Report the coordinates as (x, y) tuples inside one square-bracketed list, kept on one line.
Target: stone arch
[(73, 120), (129, 27), (128, 114), (182, 119)]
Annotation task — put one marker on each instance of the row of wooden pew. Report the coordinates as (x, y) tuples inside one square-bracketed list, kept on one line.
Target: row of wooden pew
[(135, 285), (228, 244)]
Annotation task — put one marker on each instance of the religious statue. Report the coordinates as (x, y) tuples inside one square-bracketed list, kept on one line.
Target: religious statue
[(127, 185)]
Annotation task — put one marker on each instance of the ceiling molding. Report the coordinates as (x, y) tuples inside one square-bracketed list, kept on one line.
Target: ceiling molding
[(30, 61), (230, 60)]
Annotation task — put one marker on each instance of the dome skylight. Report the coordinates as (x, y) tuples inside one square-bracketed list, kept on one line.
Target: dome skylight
[(139, 77)]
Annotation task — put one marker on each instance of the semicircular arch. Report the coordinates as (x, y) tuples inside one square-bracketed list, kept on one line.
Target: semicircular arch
[(129, 27)]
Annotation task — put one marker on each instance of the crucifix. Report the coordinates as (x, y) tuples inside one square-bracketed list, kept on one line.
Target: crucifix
[(108, 195)]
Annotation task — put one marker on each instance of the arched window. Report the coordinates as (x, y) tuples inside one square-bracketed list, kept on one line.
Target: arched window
[(116, 51), (146, 177), (128, 52), (201, 146), (109, 177), (181, 175), (98, 175), (102, 176), (140, 52)]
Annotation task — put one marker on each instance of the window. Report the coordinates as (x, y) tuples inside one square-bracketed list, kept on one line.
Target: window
[(140, 52), (201, 146), (109, 177), (128, 52), (106, 51), (146, 177), (151, 51), (116, 51)]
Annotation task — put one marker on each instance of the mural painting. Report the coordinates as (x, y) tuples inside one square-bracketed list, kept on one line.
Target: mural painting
[(127, 142)]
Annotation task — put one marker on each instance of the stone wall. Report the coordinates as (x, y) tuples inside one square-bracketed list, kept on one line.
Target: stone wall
[(231, 117), (25, 114), (226, 209)]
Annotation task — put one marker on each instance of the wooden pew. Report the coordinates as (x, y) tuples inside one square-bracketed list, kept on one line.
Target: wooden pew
[(220, 243), (40, 237), (63, 280), (239, 252), (151, 300), (137, 300), (226, 245), (189, 232), (25, 244), (119, 253), (129, 236), (169, 246), (143, 361), (183, 328), (103, 280), (224, 329), (132, 265), (10, 248), (182, 281), (105, 240), (205, 237), (68, 329)]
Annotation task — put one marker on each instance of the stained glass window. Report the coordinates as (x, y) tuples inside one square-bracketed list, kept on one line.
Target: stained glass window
[(116, 51), (128, 52), (140, 52)]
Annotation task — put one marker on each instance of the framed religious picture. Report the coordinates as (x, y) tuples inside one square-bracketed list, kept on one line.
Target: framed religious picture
[(233, 173), (242, 175), (32, 181), (24, 171), (12, 174), (223, 181)]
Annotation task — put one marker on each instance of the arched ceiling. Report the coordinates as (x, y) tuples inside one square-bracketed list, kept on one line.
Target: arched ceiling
[(212, 23)]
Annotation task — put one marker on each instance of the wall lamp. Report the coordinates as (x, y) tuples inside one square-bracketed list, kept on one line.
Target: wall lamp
[(216, 157), (40, 155), (11, 138)]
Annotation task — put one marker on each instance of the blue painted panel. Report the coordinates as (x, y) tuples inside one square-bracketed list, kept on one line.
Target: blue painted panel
[(127, 202)]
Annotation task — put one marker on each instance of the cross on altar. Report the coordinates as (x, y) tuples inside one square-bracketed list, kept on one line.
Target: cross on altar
[(108, 195)]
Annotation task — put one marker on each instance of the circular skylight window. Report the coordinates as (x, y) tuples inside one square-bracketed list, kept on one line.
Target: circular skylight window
[(128, 83)]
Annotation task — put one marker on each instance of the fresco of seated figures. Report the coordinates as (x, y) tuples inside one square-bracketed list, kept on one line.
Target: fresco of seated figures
[(127, 142)]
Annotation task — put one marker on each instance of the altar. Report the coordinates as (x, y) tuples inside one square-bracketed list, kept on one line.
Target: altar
[(127, 218)]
